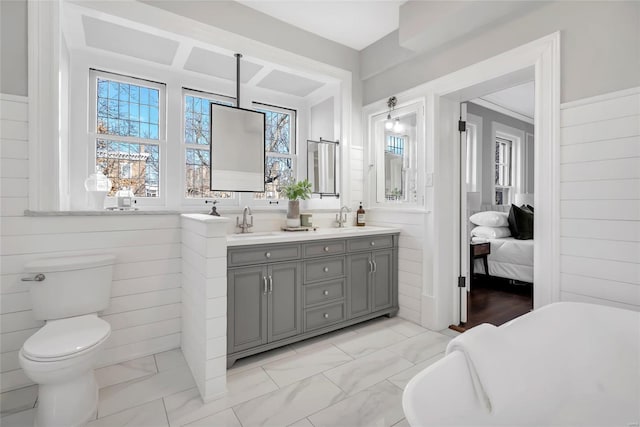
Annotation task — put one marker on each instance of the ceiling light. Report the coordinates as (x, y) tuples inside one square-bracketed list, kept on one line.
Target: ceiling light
[(391, 103)]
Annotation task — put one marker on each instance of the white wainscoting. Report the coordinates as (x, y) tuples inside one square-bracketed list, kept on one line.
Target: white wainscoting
[(600, 200), (145, 306), (410, 257)]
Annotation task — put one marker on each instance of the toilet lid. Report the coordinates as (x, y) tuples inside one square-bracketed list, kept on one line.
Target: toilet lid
[(60, 338)]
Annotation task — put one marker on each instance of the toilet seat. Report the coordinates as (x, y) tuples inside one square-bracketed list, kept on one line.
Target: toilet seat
[(66, 338)]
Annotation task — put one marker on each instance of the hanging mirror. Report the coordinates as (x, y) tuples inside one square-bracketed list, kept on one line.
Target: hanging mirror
[(321, 166)]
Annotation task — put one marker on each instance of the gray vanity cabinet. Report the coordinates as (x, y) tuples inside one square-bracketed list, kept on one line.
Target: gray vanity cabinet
[(263, 304), (282, 293), (371, 284)]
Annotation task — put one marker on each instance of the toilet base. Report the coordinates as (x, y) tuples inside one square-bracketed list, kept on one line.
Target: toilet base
[(71, 404)]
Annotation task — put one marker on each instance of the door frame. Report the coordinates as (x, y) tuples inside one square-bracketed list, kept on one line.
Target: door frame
[(442, 308)]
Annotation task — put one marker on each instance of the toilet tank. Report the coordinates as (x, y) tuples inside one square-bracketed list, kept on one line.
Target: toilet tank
[(72, 286)]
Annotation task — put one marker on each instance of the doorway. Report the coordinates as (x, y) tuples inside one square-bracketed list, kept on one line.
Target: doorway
[(498, 185), (539, 62)]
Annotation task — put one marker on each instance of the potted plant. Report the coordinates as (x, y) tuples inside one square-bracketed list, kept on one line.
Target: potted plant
[(295, 192)]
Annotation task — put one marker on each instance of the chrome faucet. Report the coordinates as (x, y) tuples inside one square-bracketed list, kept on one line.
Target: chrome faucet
[(244, 226), (341, 218)]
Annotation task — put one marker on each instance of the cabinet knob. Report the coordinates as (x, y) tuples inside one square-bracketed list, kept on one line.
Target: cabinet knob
[(326, 315), (326, 269), (268, 254), (326, 248), (325, 292), (373, 243)]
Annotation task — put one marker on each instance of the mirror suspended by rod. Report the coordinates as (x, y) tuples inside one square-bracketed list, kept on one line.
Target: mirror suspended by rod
[(237, 145)]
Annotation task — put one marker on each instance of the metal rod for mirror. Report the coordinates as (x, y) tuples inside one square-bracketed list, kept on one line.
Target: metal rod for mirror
[(238, 56)]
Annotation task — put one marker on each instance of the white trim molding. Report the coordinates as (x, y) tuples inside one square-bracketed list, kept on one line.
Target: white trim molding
[(502, 110), (43, 57)]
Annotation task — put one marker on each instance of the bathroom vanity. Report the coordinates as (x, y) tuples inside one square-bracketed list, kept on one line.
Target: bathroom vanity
[(286, 287)]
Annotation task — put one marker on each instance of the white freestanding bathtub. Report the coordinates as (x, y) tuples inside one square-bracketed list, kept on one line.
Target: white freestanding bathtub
[(566, 364)]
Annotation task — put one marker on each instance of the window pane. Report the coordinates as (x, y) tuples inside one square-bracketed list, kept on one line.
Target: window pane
[(278, 174), (278, 132), (125, 109), (129, 166), (198, 164)]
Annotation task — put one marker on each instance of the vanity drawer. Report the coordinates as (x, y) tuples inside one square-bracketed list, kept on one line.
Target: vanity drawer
[(323, 269), (370, 243), (256, 255), (324, 292), (323, 248), (324, 316)]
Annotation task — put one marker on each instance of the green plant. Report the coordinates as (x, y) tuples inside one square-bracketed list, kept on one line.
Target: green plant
[(300, 190)]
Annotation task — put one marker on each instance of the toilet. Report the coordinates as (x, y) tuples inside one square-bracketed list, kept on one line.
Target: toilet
[(67, 293)]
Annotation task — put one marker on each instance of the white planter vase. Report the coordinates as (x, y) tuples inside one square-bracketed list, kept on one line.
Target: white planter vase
[(293, 214)]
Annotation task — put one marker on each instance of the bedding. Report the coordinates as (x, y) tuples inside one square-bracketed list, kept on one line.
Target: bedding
[(490, 232), (490, 219), (510, 258), (521, 222)]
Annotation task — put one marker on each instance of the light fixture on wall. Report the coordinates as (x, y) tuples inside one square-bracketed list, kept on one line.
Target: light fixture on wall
[(393, 124), (391, 103)]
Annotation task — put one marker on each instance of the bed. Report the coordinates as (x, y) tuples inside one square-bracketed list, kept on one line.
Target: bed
[(510, 258)]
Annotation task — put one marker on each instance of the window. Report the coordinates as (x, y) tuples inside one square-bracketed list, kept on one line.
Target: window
[(197, 139), (503, 172), (129, 133), (395, 144), (280, 150)]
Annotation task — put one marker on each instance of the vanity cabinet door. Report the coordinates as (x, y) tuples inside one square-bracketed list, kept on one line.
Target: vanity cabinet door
[(359, 270), (285, 300), (246, 307), (382, 279)]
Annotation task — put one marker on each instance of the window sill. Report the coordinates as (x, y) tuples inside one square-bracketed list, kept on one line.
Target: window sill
[(98, 213)]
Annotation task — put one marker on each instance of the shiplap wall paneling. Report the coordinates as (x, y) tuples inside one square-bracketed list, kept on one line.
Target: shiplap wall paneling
[(14, 158), (357, 175), (600, 200), (410, 257), (144, 311)]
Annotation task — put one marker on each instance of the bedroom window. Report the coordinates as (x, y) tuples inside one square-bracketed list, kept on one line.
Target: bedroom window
[(280, 150), (197, 139), (128, 132), (503, 171)]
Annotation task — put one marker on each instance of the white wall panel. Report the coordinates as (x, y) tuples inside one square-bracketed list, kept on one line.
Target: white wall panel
[(600, 200)]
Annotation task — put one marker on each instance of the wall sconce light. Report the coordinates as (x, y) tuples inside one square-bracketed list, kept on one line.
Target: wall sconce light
[(391, 103)]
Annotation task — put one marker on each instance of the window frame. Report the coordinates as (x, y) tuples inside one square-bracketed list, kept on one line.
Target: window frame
[(248, 198), (161, 142), (516, 136), (190, 201)]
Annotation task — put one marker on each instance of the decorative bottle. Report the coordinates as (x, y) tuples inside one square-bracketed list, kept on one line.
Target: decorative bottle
[(360, 216)]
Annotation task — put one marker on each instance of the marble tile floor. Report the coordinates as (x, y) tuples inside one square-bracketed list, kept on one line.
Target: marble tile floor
[(352, 377)]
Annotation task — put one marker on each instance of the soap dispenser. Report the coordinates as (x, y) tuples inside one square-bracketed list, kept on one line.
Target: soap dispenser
[(360, 216)]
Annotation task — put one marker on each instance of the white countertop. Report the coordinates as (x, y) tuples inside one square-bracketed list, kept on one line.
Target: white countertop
[(300, 236)]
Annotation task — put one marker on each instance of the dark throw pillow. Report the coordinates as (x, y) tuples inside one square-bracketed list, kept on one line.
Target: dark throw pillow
[(521, 222)]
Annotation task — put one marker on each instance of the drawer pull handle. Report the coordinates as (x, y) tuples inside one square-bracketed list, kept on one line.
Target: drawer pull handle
[(326, 315), (325, 293), (270, 284), (326, 269), (264, 285), (326, 248), (37, 278), (268, 254), (373, 243)]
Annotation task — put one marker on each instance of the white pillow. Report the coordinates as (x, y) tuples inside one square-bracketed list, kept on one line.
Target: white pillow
[(490, 219), (491, 232)]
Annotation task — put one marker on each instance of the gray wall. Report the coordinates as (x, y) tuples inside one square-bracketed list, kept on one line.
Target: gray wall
[(13, 47), (600, 50), (323, 120), (488, 147)]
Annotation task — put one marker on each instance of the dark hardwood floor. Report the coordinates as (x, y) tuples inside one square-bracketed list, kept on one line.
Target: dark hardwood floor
[(496, 301)]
